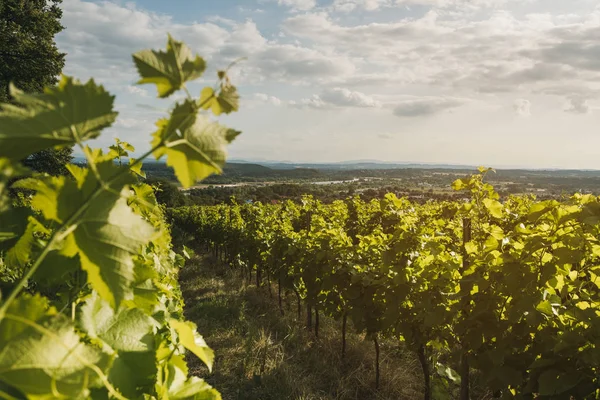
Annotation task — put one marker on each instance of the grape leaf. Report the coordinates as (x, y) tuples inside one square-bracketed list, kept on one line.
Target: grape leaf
[(553, 382), (199, 147), (191, 340), (168, 70), (494, 207), (105, 232), (66, 114), (136, 168), (128, 329), (226, 101), (180, 387), (129, 332), (41, 354), (20, 254), (8, 171)]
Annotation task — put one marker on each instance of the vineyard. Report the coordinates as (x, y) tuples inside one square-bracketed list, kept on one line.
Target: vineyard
[(503, 292)]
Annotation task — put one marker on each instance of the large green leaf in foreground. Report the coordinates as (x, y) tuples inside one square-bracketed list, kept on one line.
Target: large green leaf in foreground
[(100, 227), (42, 356), (195, 146), (63, 115), (168, 70), (129, 333)]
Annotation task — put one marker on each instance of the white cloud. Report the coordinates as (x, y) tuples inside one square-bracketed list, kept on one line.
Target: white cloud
[(315, 101), (522, 107), (337, 97), (372, 5), (268, 99), (578, 105), (344, 97), (425, 107), (492, 54), (137, 90), (296, 5), (351, 5)]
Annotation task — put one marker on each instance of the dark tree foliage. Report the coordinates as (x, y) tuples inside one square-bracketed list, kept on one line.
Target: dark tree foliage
[(31, 61), (50, 161), (167, 193)]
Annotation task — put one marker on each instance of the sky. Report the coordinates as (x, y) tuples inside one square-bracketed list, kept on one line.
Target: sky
[(500, 83)]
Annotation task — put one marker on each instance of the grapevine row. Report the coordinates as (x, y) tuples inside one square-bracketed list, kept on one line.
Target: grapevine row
[(507, 291)]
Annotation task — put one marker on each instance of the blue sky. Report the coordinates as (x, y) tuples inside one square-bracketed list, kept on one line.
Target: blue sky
[(489, 82)]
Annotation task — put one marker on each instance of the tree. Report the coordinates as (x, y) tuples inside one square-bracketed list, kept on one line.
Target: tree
[(167, 193), (31, 61)]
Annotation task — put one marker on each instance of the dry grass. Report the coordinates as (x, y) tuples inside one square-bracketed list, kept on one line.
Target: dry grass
[(262, 355)]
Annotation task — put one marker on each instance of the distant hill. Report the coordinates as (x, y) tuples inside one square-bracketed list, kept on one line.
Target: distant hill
[(352, 165), (235, 170)]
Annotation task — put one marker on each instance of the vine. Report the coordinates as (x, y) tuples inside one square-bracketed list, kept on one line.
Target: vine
[(91, 306)]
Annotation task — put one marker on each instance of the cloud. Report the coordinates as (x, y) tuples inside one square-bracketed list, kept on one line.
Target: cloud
[(522, 107), (100, 37), (337, 97), (315, 101), (296, 5), (495, 53), (351, 5), (137, 90), (372, 5), (578, 105), (268, 99), (344, 97), (425, 107)]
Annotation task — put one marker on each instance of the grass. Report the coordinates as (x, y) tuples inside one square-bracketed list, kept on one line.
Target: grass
[(262, 355)]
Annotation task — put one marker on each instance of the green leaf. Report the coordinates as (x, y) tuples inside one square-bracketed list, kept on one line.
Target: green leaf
[(136, 167), (127, 330), (41, 354), (553, 382), (191, 340), (194, 388), (539, 209), (102, 229), (180, 387), (545, 307), (8, 170), (19, 255), (459, 184), (471, 247), (195, 147), (63, 115), (226, 101), (168, 70), (494, 207), (13, 224), (207, 98)]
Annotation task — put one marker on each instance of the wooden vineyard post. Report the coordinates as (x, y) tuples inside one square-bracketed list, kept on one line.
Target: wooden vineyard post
[(376, 342), (344, 322)]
